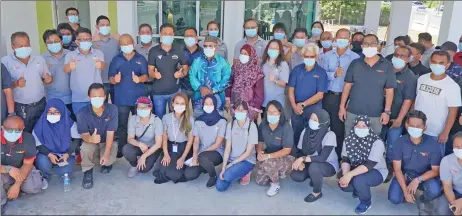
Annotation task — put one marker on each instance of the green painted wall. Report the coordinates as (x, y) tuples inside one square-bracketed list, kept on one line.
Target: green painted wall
[(112, 14), (44, 20)]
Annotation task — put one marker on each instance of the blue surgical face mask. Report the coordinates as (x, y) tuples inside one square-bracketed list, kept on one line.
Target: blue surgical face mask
[(398, 63), (12, 136), (104, 30), (213, 33), (415, 132), (279, 35), (250, 32), (73, 19), (326, 44), (54, 47), (209, 52), (145, 39), (67, 39), (85, 46), (342, 43), (437, 69), (167, 40), (189, 41), (240, 115), (299, 42), (309, 61), (273, 53), (127, 49), (273, 119), (313, 125), (97, 102), (316, 32), (143, 113), (361, 132), (23, 52)]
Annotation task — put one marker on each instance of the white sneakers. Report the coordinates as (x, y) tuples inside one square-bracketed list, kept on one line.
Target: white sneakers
[(273, 190), (132, 172), (44, 184)]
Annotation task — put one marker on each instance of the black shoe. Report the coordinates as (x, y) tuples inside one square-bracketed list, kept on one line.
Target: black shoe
[(160, 181), (311, 197), (119, 154), (87, 181), (106, 169), (389, 176), (211, 182)]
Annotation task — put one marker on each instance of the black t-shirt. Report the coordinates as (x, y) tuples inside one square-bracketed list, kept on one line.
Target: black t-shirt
[(420, 69), (87, 121), (7, 82), (14, 154), (281, 137), (406, 87)]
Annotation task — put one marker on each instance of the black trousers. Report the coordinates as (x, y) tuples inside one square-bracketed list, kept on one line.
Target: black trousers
[(30, 113), (208, 160), (316, 171), (123, 115), (131, 153), (170, 172), (69, 107), (331, 103)]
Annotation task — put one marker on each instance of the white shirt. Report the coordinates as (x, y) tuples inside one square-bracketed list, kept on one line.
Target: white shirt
[(434, 99)]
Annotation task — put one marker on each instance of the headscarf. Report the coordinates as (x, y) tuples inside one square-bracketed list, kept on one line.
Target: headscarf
[(358, 149), (246, 75), (212, 118), (312, 139), (56, 137)]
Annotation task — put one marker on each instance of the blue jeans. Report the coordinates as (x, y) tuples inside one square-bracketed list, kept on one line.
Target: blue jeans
[(235, 172), (77, 106), (442, 145), (392, 135), (361, 185), (44, 164), (160, 102), (431, 190)]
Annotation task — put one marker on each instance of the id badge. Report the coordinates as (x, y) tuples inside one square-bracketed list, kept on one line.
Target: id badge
[(175, 148)]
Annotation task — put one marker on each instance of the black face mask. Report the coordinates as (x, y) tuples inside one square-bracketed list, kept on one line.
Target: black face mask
[(356, 46)]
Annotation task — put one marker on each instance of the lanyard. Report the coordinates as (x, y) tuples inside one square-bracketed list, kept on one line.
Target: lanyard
[(175, 131)]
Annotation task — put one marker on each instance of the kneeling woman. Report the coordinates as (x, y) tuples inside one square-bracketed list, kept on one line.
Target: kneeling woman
[(316, 157), (241, 138), (176, 141), (277, 135), (145, 132), (363, 163), (53, 140), (209, 133)]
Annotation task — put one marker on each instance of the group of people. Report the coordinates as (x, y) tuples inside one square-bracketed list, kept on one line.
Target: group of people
[(330, 104)]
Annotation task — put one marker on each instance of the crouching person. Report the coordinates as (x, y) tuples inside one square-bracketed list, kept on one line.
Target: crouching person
[(18, 155), (96, 124)]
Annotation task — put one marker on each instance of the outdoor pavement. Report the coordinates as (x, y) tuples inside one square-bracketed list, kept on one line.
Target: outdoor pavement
[(115, 193)]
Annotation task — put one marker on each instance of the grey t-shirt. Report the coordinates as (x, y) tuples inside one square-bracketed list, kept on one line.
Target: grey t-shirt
[(143, 51), (376, 155), (60, 87), (295, 60), (172, 126), (272, 90), (110, 49), (240, 138), (136, 127), (329, 140), (451, 170), (259, 46), (208, 134)]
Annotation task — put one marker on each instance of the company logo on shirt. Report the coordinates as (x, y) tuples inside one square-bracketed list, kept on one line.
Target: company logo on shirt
[(20, 152), (278, 138), (425, 154), (174, 57), (37, 64), (159, 56), (399, 81), (430, 89), (380, 71), (16, 67), (107, 119), (138, 62), (454, 171), (316, 76)]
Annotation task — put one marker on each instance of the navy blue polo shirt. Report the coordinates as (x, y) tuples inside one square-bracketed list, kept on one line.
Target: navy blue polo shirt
[(87, 120), (126, 92), (308, 83), (185, 84), (416, 159)]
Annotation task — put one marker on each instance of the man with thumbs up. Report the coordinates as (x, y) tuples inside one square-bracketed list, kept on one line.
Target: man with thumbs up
[(127, 72), (96, 124)]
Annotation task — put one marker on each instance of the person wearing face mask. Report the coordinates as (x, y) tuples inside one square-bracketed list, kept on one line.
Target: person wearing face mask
[(317, 28), (415, 64), (68, 35), (416, 164), (315, 153), (454, 70), (209, 133), (72, 15), (18, 156), (97, 124), (299, 40), (145, 132), (247, 81), (458, 55), (399, 41), (167, 64), (177, 141), (30, 75), (326, 39), (367, 80), (280, 33), (239, 157), (127, 73), (425, 39), (336, 62), (192, 51), (307, 85), (209, 74), (146, 43), (251, 38), (85, 65), (213, 29), (54, 57), (363, 162), (356, 42), (439, 97), (274, 161), (52, 134)]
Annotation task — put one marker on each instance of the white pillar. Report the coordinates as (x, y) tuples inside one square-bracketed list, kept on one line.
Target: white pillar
[(97, 8), (400, 15), (372, 17), (232, 23), (451, 27), (126, 18)]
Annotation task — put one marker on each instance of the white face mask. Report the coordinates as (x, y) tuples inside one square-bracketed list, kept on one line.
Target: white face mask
[(179, 108), (313, 125), (208, 109), (53, 118), (361, 132), (458, 153), (369, 51), (244, 58)]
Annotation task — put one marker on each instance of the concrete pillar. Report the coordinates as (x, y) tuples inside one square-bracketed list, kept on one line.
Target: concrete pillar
[(233, 21), (97, 8), (372, 17), (450, 28), (126, 18), (400, 16)]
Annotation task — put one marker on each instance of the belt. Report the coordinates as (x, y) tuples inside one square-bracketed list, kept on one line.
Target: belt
[(32, 104), (334, 93)]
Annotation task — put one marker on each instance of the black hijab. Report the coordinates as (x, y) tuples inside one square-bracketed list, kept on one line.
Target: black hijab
[(358, 149), (312, 140), (210, 118)]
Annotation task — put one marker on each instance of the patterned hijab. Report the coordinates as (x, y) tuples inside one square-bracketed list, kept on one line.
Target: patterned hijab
[(358, 149), (246, 75)]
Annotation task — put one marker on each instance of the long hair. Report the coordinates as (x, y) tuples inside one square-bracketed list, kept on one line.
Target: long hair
[(279, 59), (278, 106), (185, 125)]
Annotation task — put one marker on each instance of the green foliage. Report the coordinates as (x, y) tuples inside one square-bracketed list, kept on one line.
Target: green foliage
[(384, 15), (351, 12), (430, 3)]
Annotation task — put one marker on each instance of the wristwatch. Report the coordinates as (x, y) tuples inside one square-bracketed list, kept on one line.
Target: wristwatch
[(8, 168), (12, 114), (303, 105), (387, 112), (420, 179)]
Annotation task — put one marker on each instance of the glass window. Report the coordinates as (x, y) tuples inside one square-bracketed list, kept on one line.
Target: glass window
[(84, 12), (181, 14), (209, 11), (426, 17), (342, 14), (148, 12)]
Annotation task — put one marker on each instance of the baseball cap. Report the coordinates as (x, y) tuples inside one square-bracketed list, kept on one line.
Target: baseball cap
[(144, 100)]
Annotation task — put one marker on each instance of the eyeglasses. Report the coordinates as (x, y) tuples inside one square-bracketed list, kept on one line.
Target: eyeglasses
[(370, 44), (13, 130), (209, 46), (53, 113), (52, 42), (84, 40)]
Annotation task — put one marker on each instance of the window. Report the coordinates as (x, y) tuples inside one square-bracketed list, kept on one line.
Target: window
[(426, 17), (84, 12), (209, 11), (148, 12), (342, 14)]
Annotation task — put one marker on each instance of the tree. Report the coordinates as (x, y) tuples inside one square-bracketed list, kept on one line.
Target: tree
[(344, 12)]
